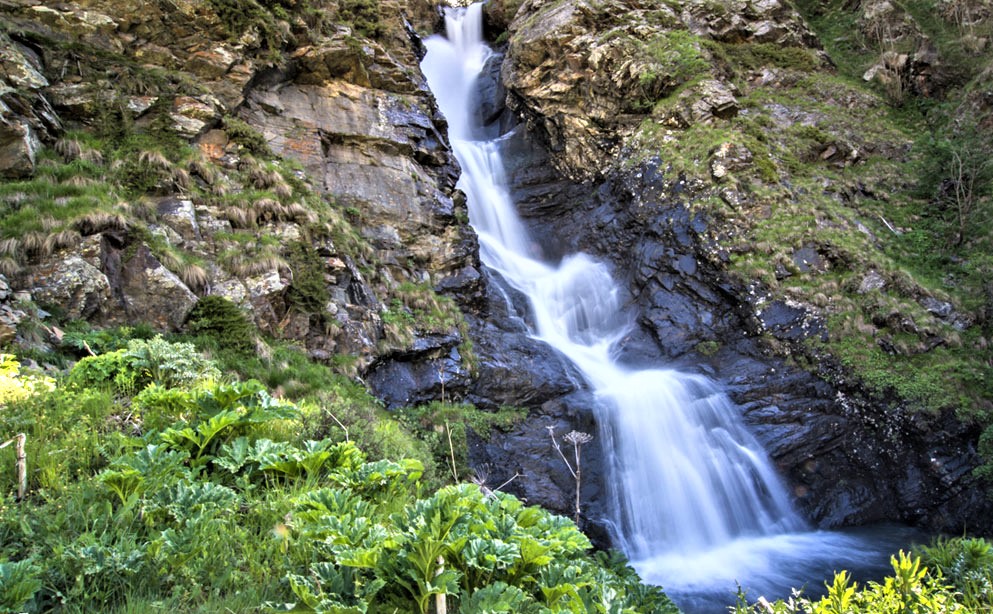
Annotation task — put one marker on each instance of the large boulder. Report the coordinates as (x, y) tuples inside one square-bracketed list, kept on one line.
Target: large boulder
[(73, 286)]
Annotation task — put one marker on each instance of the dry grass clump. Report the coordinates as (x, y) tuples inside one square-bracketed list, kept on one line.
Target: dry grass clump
[(300, 214), (269, 210), (193, 275), (73, 149), (282, 190), (204, 170), (181, 179), (9, 267), (155, 159), (220, 189), (241, 264), (33, 243), (240, 216), (142, 209), (63, 239), (169, 259), (263, 178), (10, 246), (78, 181), (96, 222)]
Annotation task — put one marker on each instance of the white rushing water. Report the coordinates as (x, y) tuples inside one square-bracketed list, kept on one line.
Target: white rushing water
[(696, 504)]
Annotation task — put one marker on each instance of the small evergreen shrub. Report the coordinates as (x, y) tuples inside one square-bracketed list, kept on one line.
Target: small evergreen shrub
[(363, 15), (308, 292), (248, 137), (219, 318)]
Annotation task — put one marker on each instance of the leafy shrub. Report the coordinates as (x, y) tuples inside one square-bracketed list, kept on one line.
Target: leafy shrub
[(86, 340), (218, 317), (966, 563), (248, 137), (110, 368), (15, 386), (909, 590), (19, 581), (308, 292), (159, 407), (487, 552), (141, 363), (169, 364), (222, 412), (363, 15)]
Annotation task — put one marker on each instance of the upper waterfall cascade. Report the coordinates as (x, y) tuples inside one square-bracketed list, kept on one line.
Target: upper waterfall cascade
[(687, 481)]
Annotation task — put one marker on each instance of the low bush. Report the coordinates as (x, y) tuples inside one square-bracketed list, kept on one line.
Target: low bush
[(195, 495), (222, 320)]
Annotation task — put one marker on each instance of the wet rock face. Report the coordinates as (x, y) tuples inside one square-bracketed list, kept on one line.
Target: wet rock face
[(849, 458)]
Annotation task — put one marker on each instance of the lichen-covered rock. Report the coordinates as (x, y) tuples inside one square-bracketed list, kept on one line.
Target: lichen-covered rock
[(19, 147), (10, 315), (152, 293), (582, 73), (180, 216), (73, 286)]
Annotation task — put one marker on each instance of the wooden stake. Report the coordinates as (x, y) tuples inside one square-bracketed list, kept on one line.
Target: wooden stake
[(22, 465), (440, 603)]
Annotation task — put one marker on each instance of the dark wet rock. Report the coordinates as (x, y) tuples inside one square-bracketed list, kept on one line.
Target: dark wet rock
[(526, 451), (431, 369), (848, 459), (942, 309), (788, 321)]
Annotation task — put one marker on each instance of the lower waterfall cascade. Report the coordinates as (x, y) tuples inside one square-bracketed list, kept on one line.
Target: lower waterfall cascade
[(695, 503)]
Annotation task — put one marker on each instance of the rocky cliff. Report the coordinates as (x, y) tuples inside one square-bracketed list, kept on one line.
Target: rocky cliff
[(758, 203), (763, 207), (285, 156)]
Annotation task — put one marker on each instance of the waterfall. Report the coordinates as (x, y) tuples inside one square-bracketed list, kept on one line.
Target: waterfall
[(694, 498)]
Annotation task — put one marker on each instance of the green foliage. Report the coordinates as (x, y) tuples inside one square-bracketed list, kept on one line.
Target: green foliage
[(243, 16), (223, 412), (15, 386), (84, 339), (487, 554), (674, 57), (754, 56), (19, 581), (443, 427), (910, 590), (956, 175), (65, 430), (217, 317), (363, 15), (308, 292), (708, 348), (200, 496), (142, 362), (248, 137), (967, 564)]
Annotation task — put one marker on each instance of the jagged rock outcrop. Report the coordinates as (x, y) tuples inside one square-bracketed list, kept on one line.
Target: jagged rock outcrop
[(585, 73), (372, 196)]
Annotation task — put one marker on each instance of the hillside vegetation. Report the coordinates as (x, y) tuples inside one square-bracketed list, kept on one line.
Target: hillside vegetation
[(157, 484)]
